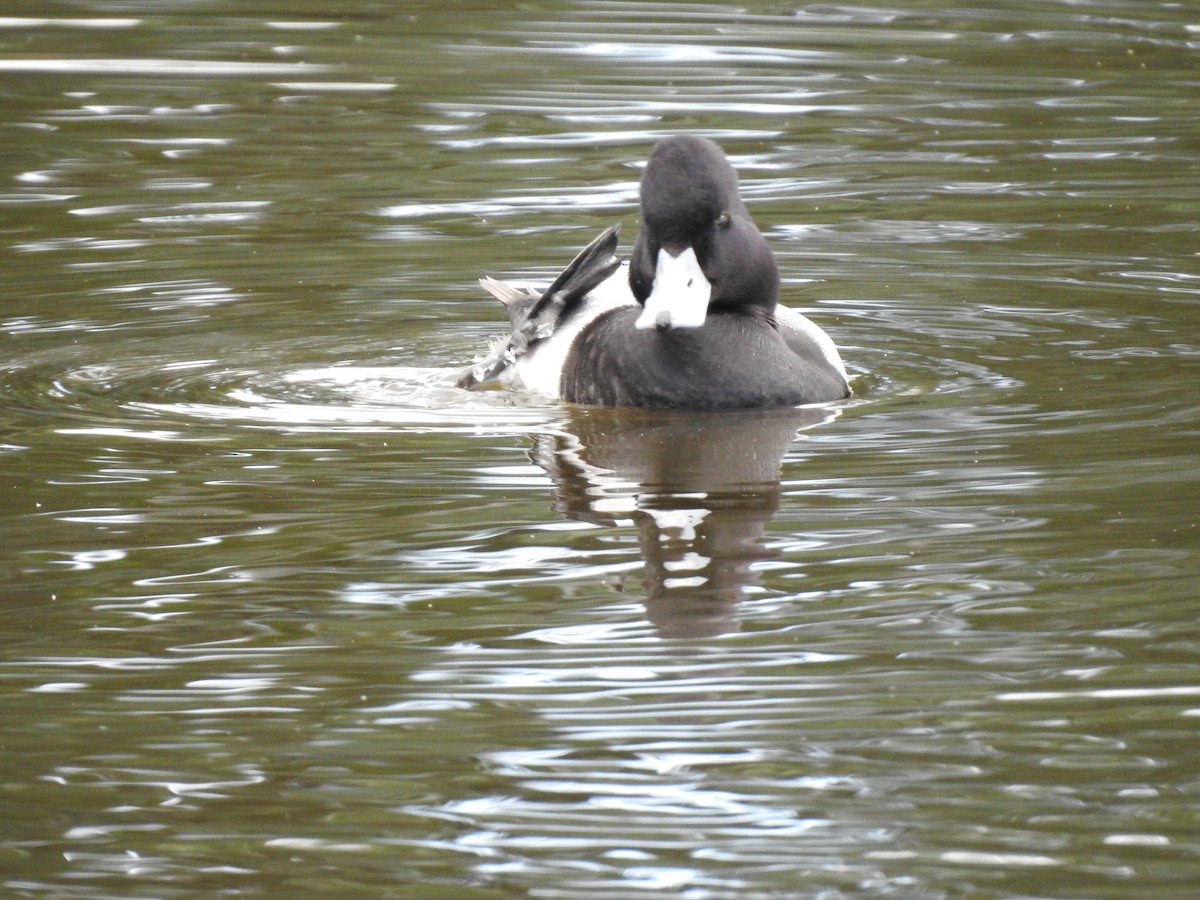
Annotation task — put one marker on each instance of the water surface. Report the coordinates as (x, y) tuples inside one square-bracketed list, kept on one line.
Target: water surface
[(287, 614)]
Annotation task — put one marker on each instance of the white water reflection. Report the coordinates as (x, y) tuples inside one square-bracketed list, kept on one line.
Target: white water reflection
[(187, 67), (56, 22)]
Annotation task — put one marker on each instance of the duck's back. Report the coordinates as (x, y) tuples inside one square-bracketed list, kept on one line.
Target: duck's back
[(732, 361)]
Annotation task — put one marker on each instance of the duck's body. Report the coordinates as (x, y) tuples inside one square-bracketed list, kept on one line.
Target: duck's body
[(734, 361), (690, 323)]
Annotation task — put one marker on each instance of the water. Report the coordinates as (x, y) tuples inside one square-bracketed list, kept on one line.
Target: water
[(286, 614)]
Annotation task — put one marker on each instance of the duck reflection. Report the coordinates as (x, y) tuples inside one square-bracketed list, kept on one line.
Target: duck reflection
[(700, 487)]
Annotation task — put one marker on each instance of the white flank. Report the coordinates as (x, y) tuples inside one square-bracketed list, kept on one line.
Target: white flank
[(541, 368)]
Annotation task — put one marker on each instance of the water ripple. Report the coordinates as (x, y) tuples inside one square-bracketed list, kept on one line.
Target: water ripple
[(287, 613), (187, 67)]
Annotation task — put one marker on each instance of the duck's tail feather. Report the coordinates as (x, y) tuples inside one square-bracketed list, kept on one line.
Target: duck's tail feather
[(516, 300), (535, 317)]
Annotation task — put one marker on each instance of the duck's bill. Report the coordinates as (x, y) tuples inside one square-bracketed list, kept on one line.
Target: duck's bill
[(679, 296)]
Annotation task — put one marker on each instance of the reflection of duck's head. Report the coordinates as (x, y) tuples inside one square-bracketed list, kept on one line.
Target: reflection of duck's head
[(700, 488), (691, 323)]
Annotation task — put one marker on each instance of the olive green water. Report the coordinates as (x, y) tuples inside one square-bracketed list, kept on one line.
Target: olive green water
[(286, 615)]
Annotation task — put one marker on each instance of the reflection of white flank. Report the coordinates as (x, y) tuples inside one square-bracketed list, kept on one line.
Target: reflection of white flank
[(683, 521), (690, 561), (618, 504), (690, 581)]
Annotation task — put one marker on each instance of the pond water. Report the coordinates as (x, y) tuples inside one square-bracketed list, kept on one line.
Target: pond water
[(287, 614)]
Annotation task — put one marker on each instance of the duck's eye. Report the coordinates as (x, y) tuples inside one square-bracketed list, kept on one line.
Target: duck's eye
[(723, 219)]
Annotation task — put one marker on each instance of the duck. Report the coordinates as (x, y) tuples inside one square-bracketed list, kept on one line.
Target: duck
[(691, 321)]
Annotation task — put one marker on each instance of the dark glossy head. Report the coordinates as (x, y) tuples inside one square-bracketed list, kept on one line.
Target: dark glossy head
[(690, 199)]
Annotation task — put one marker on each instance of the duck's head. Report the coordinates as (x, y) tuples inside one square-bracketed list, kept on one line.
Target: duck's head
[(698, 248)]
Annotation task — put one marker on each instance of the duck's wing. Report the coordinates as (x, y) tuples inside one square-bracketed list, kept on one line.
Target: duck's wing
[(535, 317)]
